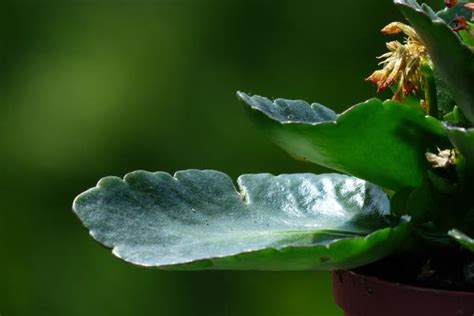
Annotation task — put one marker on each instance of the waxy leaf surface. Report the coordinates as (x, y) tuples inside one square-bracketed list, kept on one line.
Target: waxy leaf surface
[(381, 142), (199, 220)]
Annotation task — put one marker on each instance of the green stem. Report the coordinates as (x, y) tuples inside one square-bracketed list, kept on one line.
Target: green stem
[(431, 97)]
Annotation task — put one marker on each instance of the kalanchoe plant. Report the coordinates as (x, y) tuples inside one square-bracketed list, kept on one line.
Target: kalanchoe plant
[(406, 191)]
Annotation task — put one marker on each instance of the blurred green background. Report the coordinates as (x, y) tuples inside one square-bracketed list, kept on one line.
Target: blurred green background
[(93, 88)]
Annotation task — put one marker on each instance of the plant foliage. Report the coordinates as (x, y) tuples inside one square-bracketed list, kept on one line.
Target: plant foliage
[(409, 163)]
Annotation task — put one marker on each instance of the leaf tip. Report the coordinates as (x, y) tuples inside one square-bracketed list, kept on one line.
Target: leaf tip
[(243, 96)]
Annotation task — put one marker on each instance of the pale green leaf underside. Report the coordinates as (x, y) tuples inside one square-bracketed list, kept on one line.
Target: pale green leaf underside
[(198, 220), (381, 142), (462, 239)]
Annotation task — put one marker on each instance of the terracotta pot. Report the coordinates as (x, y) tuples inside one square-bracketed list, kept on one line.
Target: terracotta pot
[(360, 295)]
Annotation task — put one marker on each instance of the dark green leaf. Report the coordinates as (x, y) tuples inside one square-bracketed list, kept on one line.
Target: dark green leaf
[(455, 116), (382, 142), (463, 139), (451, 57), (463, 239), (444, 97), (198, 220), (420, 204), (432, 234)]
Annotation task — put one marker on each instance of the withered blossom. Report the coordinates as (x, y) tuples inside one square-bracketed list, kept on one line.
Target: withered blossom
[(443, 159), (402, 63), (459, 23)]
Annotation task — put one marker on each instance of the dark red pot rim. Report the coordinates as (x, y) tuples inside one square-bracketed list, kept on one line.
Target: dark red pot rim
[(406, 287), (362, 295)]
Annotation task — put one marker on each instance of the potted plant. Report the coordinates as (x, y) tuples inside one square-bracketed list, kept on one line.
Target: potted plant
[(399, 217)]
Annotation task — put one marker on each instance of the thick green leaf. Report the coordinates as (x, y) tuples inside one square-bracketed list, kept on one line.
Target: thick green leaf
[(381, 142), (463, 239), (455, 117), (451, 57), (198, 220), (463, 139)]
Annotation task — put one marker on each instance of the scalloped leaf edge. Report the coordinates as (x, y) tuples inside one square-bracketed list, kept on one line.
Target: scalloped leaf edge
[(377, 239), (433, 123)]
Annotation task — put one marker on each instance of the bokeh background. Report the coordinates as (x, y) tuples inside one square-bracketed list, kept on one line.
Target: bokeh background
[(90, 88)]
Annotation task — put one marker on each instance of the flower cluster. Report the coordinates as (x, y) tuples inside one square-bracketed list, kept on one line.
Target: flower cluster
[(402, 63)]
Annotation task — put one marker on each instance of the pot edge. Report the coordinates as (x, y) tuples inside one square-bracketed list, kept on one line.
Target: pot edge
[(398, 285)]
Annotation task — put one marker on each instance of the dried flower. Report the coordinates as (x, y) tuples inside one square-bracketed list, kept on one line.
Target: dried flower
[(402, 63), (459, 23), (443, 159)]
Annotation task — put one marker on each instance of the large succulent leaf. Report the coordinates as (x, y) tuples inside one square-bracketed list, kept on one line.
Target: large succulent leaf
[(198, 220), (381, 142), (451, 57), (466, 241), (463, 139)]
